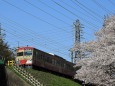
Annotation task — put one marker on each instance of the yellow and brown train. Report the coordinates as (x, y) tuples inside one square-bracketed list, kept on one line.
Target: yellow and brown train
[(29, 56)]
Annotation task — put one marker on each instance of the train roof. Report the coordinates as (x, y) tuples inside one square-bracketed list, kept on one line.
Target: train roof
[(52, 54), (25, 48)]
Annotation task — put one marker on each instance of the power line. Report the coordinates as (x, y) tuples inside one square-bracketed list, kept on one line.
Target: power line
[(23, 39), (102, 7), (55, 10), (34, 16), (89, 9), (45, 12), (30, 32), (22, 10), (46, 39), (80, 11), (112, 2), (21, 35), (75, 14), (36, 34)]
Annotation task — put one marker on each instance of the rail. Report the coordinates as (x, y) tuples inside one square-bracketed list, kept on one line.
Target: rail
[(27, 76)]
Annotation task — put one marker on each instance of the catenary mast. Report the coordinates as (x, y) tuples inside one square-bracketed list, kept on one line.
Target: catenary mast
[(75, 54), (1, 35)]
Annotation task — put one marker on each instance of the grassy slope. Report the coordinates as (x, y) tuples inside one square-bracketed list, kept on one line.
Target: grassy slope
[(14, 79), (52, 80)]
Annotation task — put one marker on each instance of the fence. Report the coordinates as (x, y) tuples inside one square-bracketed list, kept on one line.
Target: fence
[(27, 76)]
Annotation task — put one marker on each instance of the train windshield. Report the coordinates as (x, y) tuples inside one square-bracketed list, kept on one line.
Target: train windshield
[(20, 54), (28, 53)]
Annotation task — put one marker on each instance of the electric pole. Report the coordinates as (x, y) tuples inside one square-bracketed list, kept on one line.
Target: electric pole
[(1, 34), (75, 54)]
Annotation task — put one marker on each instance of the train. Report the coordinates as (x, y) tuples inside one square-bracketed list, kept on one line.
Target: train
[(31, 57)]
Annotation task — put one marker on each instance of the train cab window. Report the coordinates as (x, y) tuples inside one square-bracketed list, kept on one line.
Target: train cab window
[(28, 53), (20, 54)]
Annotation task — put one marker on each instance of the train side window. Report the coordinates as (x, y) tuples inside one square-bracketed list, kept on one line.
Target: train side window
[(42, 57), (64, 65), (53, 61), (37, 54), (58, 63), (49, 59)]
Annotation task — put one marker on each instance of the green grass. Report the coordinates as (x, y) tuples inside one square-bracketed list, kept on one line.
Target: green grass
[(14, 79), (49, 79)]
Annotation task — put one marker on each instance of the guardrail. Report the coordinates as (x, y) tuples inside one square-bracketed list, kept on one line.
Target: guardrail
[(27, 76)]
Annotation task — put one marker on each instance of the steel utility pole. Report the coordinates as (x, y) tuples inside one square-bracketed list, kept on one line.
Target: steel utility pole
[(75, 54), (1, 34)]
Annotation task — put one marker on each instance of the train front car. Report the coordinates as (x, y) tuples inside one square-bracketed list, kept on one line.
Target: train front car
[(24, 56)]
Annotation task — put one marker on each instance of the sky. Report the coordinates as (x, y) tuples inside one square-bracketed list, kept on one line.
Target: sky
[(48, 25)]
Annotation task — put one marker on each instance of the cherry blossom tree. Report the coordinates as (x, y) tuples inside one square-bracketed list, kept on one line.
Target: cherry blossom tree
[(98, 66)]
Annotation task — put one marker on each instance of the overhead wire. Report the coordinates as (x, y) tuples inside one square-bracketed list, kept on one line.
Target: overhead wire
[(78, 11), (96, 14), (23, 39), (102, 7), (58, 11), (42, 39), (98, 21), (22, 10), (20, 35), (35, 43), (76, 15), (112, 2), (46, 12), (84, 9), (37, 35), (88, 9), (55, 10), (34, 16)]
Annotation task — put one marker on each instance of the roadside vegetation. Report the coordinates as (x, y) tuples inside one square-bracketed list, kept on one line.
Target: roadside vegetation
[(14, 79), (46, 78), (5, 50), (49, 79)]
